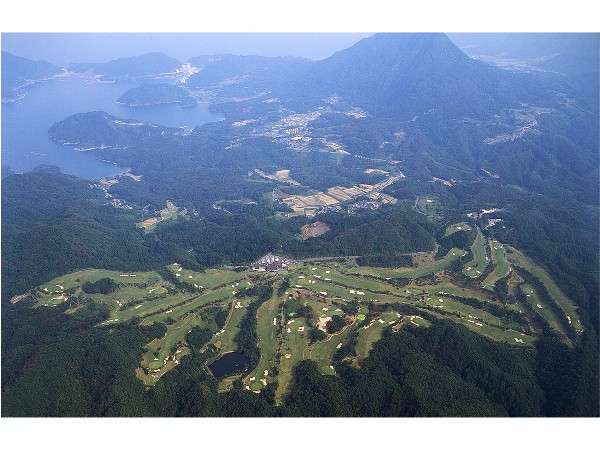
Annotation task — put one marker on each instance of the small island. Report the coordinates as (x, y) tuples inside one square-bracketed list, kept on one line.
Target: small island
[(156, 94)]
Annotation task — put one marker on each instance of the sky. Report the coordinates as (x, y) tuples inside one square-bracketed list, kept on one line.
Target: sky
[(65, 48)]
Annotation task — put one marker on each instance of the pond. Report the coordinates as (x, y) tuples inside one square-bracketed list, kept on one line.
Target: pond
[(229, 364)]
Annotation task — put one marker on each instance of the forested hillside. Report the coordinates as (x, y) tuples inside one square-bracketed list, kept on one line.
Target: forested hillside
[(70, 229)]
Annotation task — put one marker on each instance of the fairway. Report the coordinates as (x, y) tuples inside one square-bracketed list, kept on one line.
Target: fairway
[(462, 226), (268, 323), (224, 340), (563, 301), (292, 352), (370, 333), (163, 354), (322, 352), (476, 267), (419, 271), (326, 288), (501, 265), (541, 308)]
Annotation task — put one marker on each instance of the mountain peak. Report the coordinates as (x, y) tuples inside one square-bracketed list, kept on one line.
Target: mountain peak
[(400, 54), (409, 42), (406, 74)]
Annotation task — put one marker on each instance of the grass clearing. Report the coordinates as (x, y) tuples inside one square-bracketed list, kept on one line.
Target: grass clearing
[(428, 205)]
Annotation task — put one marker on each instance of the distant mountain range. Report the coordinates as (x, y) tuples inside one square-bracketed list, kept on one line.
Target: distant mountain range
[(449, 107), (396, 74), (566, 53)]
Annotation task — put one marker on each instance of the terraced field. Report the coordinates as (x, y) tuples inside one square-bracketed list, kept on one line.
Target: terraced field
[(369, 300)]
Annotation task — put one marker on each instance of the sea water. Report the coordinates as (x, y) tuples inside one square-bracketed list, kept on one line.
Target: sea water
[(25, 123)]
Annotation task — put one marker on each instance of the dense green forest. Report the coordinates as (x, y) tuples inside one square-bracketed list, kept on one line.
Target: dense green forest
[(102, 286), (70, 229), (385, 261)]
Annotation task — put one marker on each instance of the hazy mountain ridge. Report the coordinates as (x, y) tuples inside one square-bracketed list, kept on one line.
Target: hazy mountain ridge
[(566, 53), (18, 73), (447, 107), (140, 66), (156, 94), (222, 69)]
